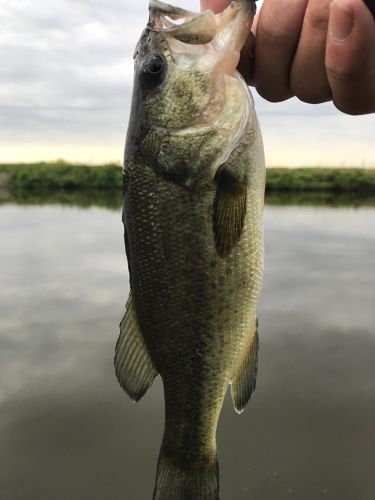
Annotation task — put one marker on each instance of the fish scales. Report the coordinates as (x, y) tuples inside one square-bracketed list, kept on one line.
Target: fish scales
[(193, 203), (196, 309)]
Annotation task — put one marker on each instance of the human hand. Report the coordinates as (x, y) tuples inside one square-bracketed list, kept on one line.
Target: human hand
[(317, 50)]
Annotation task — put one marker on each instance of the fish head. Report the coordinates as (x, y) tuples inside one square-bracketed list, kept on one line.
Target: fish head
[(190, 105)]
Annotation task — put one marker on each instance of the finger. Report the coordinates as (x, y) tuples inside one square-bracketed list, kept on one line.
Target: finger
[(255, 23), (247, 60), (246, 64), (277, 35), (215, 5), (309, 80), (350, 56), (371, 6)]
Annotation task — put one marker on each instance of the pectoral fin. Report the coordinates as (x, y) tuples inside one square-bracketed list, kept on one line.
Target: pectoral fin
[(244, 381), (229, 213), (134, 368)]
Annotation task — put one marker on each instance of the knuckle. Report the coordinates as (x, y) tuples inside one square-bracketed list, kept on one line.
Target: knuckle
[(271, 36), (348, 109), (346, 104), (344, 74), (318, 14), (274, 95), (311, 98), (307, 92)]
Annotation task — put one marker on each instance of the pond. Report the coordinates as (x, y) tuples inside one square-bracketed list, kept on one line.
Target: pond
[(68, 432)]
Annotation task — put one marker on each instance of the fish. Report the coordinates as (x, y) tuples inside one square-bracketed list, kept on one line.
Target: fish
[(194, 182)]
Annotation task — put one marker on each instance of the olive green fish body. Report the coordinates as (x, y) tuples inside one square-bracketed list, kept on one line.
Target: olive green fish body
[(193, 203)]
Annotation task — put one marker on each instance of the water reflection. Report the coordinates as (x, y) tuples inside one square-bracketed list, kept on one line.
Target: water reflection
[(79, 198), (113, 199), (66, 429)]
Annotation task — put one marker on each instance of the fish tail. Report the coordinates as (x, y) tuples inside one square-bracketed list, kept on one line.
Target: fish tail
[(175, 482)]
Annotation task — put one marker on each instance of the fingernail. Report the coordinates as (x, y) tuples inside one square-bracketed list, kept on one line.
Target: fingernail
[(341, 20)]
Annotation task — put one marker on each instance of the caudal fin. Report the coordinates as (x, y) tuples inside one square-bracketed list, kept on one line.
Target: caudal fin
[(193, 483)]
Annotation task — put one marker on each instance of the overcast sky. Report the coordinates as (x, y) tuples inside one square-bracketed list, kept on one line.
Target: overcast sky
[(65, 87)]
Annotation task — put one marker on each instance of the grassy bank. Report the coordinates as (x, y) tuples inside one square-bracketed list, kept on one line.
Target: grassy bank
[(62, 176), (59, 176), (332, 180), (113, 200)]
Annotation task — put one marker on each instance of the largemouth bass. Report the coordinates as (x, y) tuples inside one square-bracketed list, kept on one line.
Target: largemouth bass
[(194, 179)]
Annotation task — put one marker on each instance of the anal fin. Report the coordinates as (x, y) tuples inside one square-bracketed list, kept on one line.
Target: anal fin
[(244, 381), (134, 368)]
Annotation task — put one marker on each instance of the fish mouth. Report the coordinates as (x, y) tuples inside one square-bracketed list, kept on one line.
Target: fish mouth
[(200, 28), (170, 10), (186, 26)]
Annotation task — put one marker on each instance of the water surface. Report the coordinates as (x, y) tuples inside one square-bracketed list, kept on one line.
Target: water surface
[(68, 432)]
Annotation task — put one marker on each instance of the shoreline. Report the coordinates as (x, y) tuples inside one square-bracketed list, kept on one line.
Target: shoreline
[(62, 176)]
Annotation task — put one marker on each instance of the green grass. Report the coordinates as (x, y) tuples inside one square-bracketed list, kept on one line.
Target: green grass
[(61, 175), (332, 180), (321, 199), (45, 179)]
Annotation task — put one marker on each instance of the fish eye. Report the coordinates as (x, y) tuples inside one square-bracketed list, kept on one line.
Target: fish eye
[(155, 65), (153, 70)]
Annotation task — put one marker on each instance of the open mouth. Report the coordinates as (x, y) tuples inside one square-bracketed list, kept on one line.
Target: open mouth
[(199, 28), (188, 27)]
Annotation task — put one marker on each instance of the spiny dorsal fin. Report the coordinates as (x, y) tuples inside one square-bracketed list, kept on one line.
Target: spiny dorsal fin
[(134, 368), (229, 213), (244, 381)]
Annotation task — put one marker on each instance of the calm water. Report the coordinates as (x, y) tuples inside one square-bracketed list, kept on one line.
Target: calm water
[(68, 432)]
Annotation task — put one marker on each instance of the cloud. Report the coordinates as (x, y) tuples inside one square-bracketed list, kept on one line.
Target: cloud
[(67, 74)]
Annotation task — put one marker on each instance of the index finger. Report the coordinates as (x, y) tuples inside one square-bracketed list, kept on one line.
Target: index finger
[(277, 35), (215, 5)]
